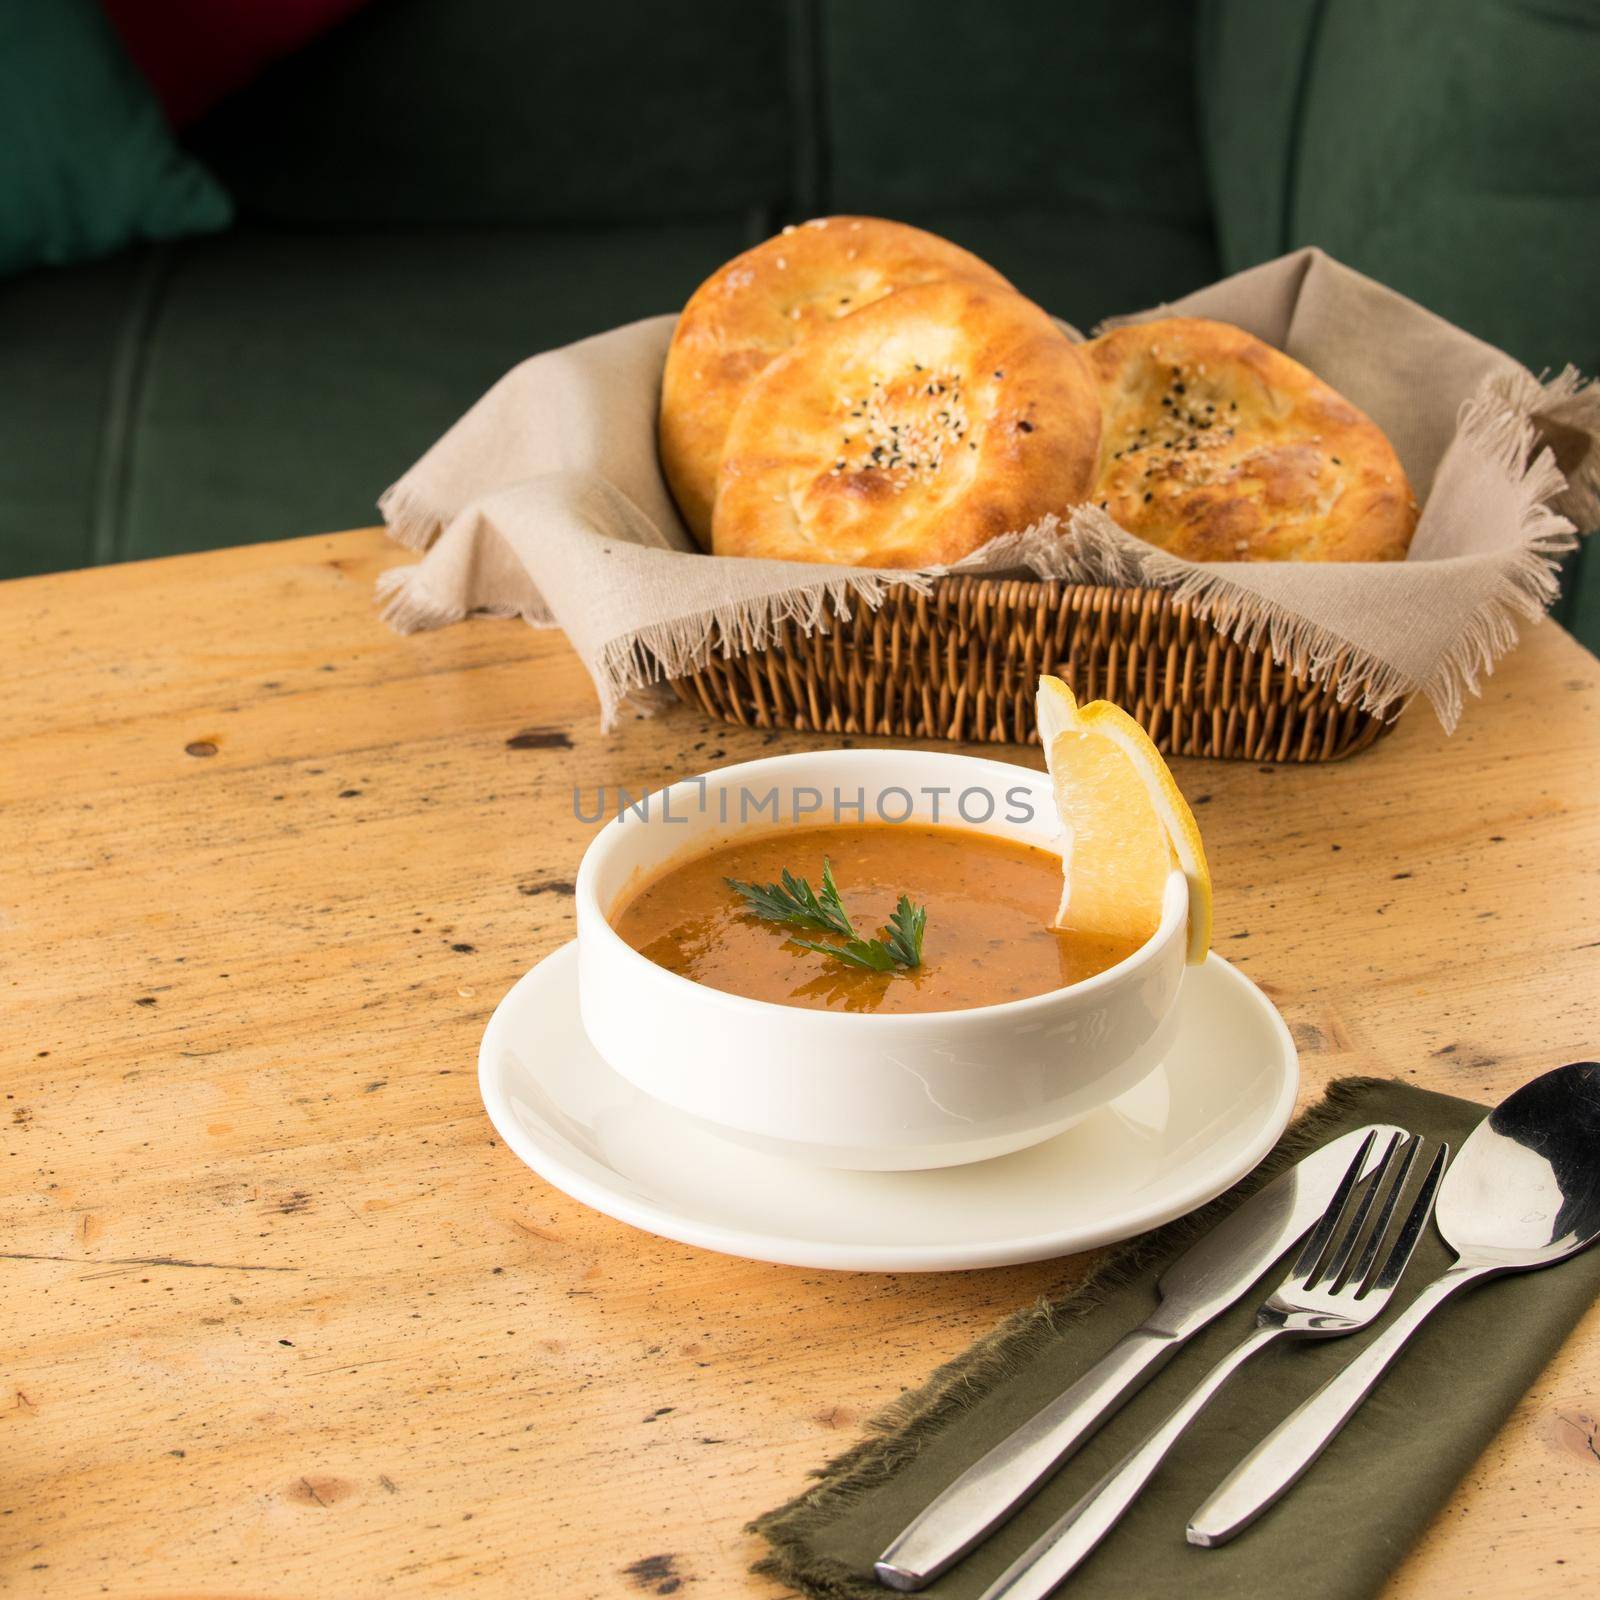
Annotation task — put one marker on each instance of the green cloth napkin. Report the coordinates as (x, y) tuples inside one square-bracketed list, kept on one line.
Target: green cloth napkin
[(1334, 1537)]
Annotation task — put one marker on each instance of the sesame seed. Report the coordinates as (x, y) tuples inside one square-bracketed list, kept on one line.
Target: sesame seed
[(900, 439)]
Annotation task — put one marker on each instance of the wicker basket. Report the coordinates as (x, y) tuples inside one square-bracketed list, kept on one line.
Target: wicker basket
[(963, 663)]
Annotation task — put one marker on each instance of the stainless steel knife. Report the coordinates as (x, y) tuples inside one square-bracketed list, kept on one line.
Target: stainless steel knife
[(1202, 1283)]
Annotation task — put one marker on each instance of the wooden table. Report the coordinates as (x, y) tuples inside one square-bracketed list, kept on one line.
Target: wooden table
[(281, 1317)]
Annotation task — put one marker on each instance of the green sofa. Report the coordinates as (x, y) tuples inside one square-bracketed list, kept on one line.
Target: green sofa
[(438, 188)]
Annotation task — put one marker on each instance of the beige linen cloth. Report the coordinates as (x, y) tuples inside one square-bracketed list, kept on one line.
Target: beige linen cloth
[(546, 501)]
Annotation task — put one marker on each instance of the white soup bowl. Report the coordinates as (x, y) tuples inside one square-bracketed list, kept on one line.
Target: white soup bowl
[(847, 1089)]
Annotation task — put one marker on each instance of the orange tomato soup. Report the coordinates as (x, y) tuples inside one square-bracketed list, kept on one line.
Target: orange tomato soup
[(988, 939)]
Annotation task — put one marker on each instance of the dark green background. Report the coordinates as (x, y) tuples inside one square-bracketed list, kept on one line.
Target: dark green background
[(441, 187)]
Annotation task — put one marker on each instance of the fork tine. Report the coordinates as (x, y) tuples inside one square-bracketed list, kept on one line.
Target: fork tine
[(1345, 1245), (1361, 1273), (1397, 1159), (1411, 1228), (1311, 1253)]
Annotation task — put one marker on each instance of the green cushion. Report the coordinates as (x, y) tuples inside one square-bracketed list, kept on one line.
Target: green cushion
[(1005, 105), (266, 384), (1578, 609), (87, 164), (1135, 261), (511, 111), (1452, 152), (271, 383), (1445, 150), (70, 340), (1251, 60)]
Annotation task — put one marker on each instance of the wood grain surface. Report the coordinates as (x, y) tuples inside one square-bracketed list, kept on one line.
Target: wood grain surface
[(280, 1316)]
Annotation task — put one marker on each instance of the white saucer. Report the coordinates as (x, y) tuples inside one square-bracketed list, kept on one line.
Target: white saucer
[(1186, 1133)]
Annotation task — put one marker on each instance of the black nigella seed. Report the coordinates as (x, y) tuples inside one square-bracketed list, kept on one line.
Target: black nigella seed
[(999, 372), (1178, 388), (1148, 497), (1026, 427)]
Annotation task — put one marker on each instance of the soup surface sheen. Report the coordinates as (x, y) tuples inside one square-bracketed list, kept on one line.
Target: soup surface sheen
[(988, 939)]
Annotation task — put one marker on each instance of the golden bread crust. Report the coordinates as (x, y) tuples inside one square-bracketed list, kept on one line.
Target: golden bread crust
[(758, 306), (1218, 447), (910, 433)]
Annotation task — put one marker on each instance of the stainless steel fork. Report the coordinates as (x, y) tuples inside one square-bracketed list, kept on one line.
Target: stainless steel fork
[(1323, 1296)]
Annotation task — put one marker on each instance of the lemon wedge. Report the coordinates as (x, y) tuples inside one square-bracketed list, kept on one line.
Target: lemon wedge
[(1126, 822)]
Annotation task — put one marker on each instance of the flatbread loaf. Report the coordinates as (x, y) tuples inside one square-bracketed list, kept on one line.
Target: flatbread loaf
[(759, 305), (910, 433), (1218, 447)]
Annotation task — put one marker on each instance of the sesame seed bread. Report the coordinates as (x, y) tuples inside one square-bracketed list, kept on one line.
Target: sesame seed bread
[(910, 433), (758, 306), (1218, 447)]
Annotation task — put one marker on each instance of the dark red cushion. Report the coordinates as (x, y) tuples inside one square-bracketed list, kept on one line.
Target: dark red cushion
[(197, 52)]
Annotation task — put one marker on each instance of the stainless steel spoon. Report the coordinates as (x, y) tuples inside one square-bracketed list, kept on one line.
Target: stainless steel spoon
[(1524, 1192)]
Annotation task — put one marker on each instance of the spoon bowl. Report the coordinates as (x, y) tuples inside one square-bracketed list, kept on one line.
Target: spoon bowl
[(1524, 1191)]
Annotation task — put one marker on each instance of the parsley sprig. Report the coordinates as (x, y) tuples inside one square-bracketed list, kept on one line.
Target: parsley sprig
[(793, 902)]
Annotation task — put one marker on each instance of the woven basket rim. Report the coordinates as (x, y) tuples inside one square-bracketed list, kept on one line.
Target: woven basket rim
[(958, 659)]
